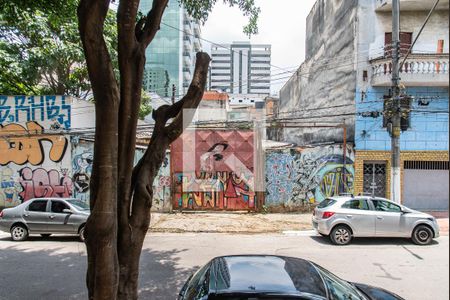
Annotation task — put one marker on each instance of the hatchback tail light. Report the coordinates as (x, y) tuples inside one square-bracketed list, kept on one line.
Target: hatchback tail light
[(1, 214), (327, 214)]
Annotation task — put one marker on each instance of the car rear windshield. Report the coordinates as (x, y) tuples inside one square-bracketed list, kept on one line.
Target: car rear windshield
[(326, 203)]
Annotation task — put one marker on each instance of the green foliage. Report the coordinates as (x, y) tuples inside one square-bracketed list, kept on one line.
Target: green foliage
[(200, 10), (146, 108), (40, 48)]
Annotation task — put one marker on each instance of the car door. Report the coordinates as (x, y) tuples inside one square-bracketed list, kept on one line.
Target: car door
[(389, 218), (36, 215), (357, 212), (59, 220)]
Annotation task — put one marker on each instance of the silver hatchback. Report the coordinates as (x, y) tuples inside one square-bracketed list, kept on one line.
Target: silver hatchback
[(342, 218), (45, 216)]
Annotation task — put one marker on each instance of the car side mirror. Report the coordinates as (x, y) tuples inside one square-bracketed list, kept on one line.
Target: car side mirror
[(67, 211)]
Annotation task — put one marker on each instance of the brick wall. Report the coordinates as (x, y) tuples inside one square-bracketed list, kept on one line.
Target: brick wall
[(385, 156)]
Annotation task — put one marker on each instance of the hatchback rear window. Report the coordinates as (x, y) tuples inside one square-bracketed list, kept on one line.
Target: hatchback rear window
[(326, 203)]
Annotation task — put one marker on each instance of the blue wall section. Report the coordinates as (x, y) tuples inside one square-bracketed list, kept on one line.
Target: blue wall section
[(429, 124)]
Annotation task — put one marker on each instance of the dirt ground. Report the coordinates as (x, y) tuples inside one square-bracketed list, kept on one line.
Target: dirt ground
[(239, 222)]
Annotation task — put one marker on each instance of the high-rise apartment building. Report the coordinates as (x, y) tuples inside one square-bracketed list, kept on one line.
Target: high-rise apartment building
[(240, 68), (171, 55)]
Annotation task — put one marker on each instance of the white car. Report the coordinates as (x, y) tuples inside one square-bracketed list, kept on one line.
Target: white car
[(345, 217)]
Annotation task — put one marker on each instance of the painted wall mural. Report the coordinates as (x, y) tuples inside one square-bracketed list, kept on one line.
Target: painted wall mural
[(34, 156), (213, 169), (162, 187), (82, 159), (295, 177)]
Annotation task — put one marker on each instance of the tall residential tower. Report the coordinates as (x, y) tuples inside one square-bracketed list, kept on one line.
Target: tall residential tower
[(240, 68)]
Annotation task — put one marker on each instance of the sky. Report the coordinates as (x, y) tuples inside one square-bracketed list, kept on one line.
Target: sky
[(282, 23)]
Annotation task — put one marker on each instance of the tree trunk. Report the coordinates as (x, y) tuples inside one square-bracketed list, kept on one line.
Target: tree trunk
[(121, 196)]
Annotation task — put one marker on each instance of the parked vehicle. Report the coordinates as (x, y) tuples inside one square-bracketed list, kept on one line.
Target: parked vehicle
[(45, 216), (273, 277), (345, 217)]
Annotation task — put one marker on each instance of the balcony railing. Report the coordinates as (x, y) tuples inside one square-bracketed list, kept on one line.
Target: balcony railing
[(418, 70), (411, 5)]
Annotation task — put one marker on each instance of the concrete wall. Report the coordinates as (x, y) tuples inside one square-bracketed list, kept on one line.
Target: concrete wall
[(35, 158), (327, 77), (429, 124), (295, 177)]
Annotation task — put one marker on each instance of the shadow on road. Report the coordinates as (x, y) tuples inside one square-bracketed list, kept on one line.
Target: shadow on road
[(58, 272), (372, 241), (161, 276)]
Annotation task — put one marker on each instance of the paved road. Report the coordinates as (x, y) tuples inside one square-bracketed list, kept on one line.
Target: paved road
[(53, 268)]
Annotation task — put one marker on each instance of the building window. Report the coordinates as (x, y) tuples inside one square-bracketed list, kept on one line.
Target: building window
[(405, 43)]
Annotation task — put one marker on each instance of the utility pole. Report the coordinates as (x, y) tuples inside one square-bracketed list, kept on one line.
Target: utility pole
[(174, 88), (396, 129)]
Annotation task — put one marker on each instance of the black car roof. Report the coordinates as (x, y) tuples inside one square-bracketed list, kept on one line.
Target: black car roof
[(265, 273)]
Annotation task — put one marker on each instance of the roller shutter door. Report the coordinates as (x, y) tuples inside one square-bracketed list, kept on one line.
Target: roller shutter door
[(426, 185)]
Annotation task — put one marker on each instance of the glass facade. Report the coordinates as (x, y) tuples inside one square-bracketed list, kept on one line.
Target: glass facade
[(162, 68), (171, 55)]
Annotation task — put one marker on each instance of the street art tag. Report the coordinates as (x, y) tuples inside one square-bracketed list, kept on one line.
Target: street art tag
[(22, 145)]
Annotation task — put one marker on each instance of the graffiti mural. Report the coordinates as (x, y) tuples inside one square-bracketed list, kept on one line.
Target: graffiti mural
[(219, 190), (40, 183), (214, 170), (34, 151), (10, 188), (162, 187), (55, 110), (22, 145), (295, 177), (82, 159)]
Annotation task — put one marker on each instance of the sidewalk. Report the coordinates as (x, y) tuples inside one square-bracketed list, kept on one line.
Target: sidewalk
[(239, 222), (229, 222)]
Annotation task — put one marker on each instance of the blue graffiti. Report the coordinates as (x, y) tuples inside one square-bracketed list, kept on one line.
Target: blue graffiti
[(22, 109)]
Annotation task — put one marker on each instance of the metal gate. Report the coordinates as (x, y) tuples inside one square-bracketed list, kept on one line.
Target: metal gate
[(375, 179)]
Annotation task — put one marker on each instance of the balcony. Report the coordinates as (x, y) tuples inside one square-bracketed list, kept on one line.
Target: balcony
[(411, 5), (418, 70)]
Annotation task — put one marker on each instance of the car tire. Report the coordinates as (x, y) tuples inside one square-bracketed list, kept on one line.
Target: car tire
[(45, 235), (341, 235), (81, 234), (19, 233), (422, 235)]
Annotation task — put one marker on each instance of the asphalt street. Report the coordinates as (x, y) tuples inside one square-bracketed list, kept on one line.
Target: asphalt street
[(54, 267)]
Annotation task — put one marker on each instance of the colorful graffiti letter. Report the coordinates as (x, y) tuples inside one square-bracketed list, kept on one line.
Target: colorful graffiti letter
[(25, 144), (42, 183)]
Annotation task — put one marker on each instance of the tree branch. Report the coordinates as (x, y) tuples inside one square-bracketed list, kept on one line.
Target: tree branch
[(153, 21), (192, 98), (147, 167), (91, 16)]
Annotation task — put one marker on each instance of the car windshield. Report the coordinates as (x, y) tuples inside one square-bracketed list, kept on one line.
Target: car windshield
[(78, 204), (326, 203), (339, 289)]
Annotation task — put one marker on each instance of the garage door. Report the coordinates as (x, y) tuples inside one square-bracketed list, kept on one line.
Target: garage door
[(426, 185)]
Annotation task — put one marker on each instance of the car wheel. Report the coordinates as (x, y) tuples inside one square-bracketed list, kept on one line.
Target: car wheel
[(422, 235), (46, 235), (19, 233), (81, 235), (341, 235)]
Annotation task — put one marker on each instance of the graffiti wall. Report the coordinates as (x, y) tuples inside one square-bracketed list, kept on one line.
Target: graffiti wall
[(298, 176), (34, 151), (213, 170), (82, 159), (162, 187)]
